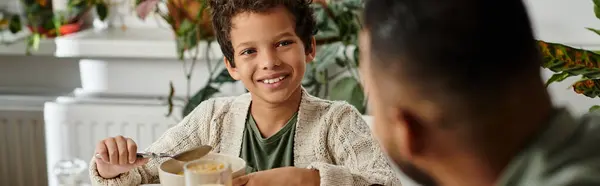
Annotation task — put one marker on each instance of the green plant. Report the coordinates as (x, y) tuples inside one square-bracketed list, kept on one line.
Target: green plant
[(338, 26), (333, 75), (566, 61), (42, 21), (189, 20)]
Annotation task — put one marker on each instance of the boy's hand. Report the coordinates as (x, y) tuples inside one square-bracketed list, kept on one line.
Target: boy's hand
[(116, 156), (280, 176)]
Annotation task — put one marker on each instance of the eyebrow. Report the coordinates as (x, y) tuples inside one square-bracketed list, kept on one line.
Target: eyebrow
[(284, 34), (279, 36)]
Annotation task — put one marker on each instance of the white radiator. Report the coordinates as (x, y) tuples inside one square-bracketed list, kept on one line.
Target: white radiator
[(22, 148), (74, 129)]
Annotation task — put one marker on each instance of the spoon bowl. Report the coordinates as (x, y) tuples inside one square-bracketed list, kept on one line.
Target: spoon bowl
[(193, 154)]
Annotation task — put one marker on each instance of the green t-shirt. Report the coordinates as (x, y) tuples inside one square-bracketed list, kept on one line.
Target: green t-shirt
[(565, 153), (268, 153)]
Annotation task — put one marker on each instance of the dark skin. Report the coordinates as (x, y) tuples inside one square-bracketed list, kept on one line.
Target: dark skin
[(408, 124)]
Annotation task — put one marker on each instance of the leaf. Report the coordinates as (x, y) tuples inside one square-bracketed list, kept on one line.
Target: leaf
[(33, 43), (348, 89), (224, 77), (73, 3), (593, 30), (558, 77), (203, 94), (562, 58), (588, 87), (594, 108), (145, 7), (42, 3), (170, 98), (356, 53), (15, 24), (326, 55), (57, 20), (185, 27), (596, 2), (102, 10), (340, 62), (191, 38), (597, 11), (180, 41), (327, 29), (321, 77), (309, 75)]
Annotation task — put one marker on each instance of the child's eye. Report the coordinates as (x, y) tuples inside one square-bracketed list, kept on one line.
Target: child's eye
[(285, 43), (248, 52)]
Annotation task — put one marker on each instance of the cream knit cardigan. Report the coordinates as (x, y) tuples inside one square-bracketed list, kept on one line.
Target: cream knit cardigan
[(331, 136)]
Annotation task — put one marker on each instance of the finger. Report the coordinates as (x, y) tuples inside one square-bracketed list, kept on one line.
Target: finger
[(102, 151), (132, 148), (123, 152), (242, 180), (113, 151), (141, 161)]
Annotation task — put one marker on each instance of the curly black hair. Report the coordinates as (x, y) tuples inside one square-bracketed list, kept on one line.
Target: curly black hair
[(224, 10)]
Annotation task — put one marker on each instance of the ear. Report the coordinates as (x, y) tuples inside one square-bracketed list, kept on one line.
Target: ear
[(310, 55), (232, 70), (411, 133)]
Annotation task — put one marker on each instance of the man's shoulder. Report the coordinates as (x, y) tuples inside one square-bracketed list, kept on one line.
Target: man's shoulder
[(574, 159), (578, 150)]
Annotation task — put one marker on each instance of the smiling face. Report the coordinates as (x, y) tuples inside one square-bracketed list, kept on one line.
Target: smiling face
[(270, 59)]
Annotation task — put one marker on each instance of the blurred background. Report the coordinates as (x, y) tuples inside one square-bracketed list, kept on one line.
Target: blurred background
[(73, 72)]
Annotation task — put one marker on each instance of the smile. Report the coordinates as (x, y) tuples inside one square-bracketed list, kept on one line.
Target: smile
[(274, 80)]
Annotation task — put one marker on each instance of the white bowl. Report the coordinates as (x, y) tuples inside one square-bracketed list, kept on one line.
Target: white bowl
[(167, 171)]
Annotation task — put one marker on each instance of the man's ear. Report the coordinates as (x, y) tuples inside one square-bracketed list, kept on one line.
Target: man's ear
[(232, 70), (310, 55), (411, 132)]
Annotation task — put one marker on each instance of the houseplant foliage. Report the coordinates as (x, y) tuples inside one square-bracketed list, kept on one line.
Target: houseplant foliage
[(566, 61), (42, 21), (333, 68), (191, 24), (333, 75)]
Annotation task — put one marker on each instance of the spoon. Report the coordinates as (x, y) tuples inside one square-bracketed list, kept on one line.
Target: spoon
[(185, 156)]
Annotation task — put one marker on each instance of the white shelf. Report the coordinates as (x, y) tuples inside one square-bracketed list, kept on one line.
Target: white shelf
[(113, 42), (156, 43), (24, 102), (18, 44), (27, 98), (142, 43)]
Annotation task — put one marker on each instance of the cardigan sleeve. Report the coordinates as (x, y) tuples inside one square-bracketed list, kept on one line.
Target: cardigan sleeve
[(191, 132), (357, 156)]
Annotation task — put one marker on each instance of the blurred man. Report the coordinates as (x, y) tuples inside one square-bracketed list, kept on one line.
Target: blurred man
[(457, 96)]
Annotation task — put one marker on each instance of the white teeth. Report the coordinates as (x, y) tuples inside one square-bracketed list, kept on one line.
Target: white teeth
[(274, 80)]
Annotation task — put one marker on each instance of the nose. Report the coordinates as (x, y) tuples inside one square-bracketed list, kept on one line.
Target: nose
[(270, 60)]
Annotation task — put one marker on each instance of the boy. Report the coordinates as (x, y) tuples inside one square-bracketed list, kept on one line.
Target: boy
[(459, 105), (286, 136)]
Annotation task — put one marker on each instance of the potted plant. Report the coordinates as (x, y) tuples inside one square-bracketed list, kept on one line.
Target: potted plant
[(338, 31), (43, 22), (566, 61)]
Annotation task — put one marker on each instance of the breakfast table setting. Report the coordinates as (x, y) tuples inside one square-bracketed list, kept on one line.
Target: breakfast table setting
[(197, 166)]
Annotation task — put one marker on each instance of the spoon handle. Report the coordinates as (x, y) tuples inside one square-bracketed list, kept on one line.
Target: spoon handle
[(152, 155), (144, 155)]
